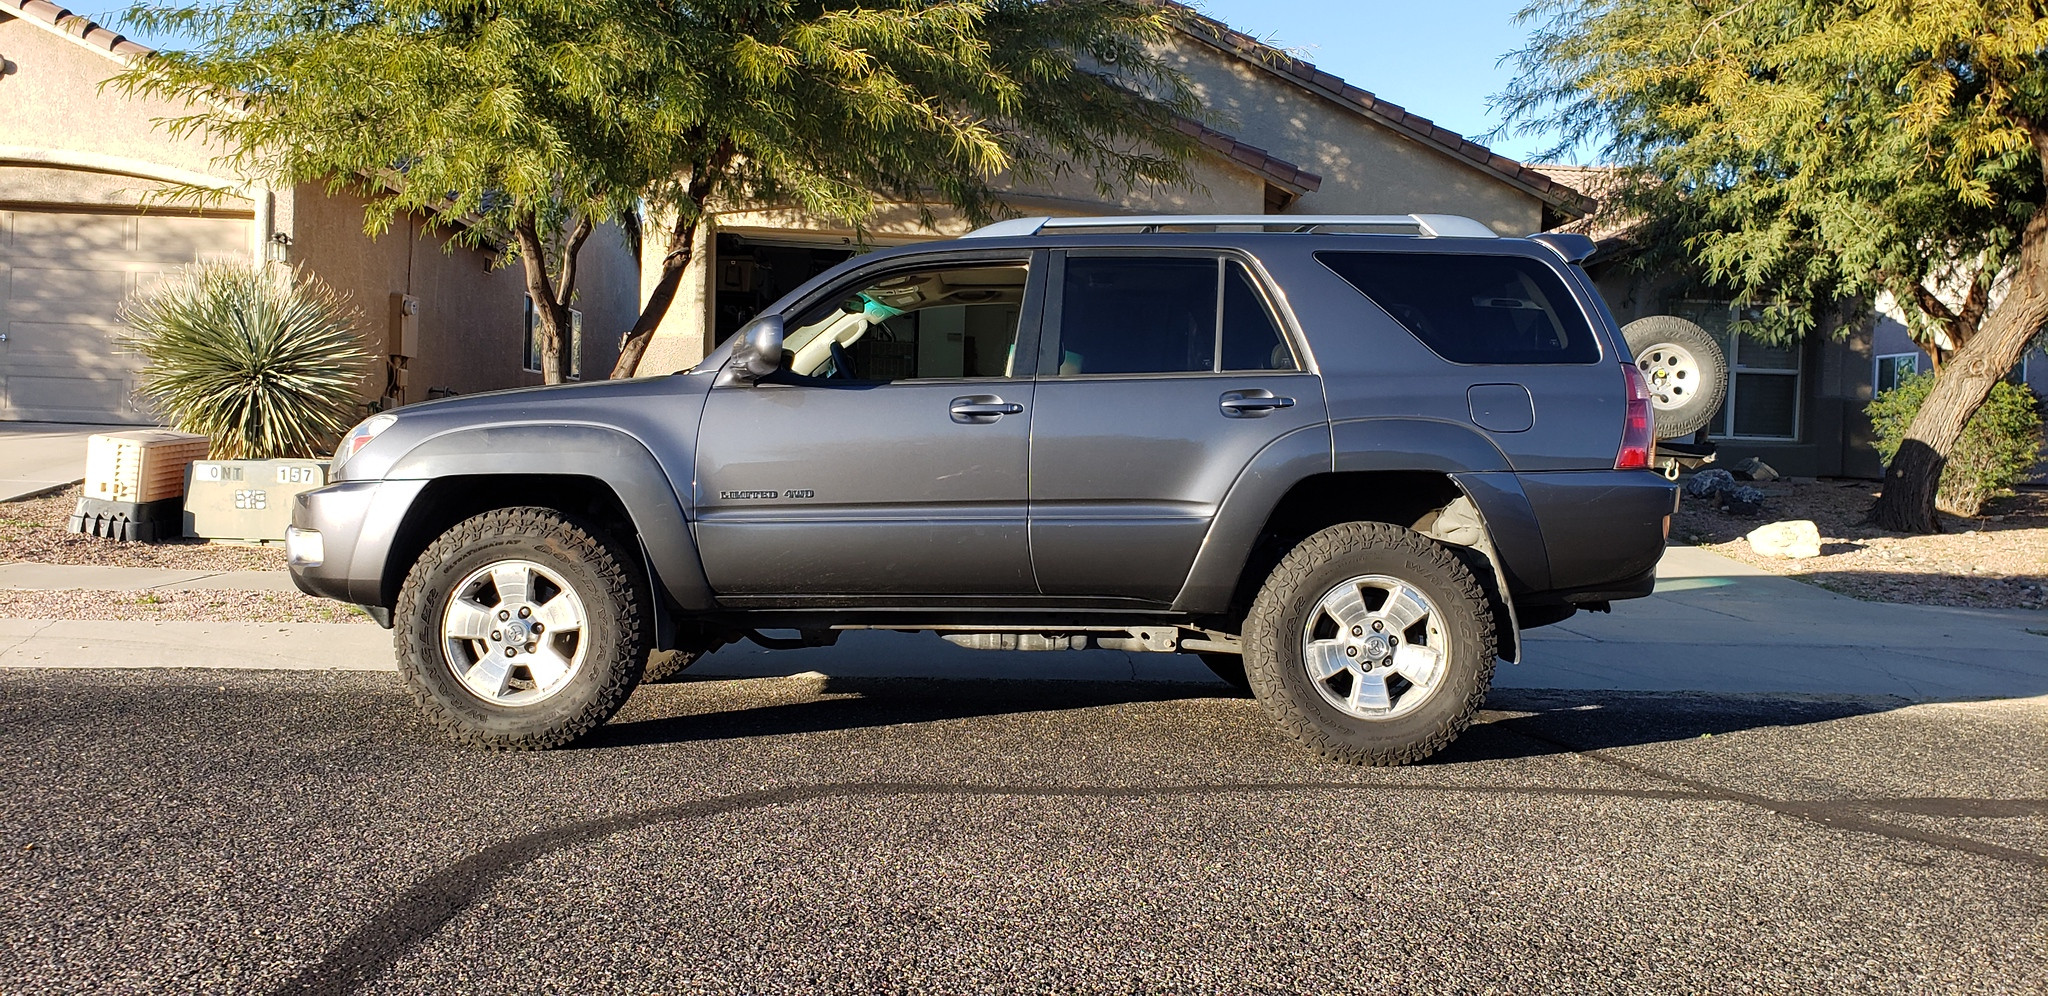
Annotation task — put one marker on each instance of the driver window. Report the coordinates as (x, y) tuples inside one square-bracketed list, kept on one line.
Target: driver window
[(955, 321)]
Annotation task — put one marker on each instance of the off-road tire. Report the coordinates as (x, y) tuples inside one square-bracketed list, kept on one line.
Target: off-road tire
[(603, 576), (1273, 656), (1709, 378), (668, 665), (1229, 667)]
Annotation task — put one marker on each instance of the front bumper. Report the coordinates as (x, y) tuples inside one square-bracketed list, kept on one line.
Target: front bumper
[(356, 523)]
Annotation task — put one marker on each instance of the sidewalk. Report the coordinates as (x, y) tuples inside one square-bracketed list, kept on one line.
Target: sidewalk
[(1714, 625), (40, 457)]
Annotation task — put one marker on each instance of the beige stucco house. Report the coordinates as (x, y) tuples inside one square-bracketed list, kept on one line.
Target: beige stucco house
[(1283, 137), (80, 232)]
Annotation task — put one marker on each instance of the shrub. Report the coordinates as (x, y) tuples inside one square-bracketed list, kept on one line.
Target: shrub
[(263, 365), (2000, 444)]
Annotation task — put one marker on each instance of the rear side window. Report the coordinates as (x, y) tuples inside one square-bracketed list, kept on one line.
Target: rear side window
[(1474, 309), (1165, 314)]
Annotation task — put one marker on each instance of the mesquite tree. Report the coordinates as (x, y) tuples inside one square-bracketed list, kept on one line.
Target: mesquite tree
[(1812, 155), (535, 121)]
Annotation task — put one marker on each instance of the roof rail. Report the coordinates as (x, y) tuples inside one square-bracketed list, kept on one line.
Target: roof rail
[(1428, 226)]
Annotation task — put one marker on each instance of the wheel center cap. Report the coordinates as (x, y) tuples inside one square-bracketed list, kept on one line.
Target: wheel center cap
[(1376, 647), (515, 631)]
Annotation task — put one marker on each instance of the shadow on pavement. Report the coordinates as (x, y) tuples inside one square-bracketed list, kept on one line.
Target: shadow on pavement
[(1516, 723)]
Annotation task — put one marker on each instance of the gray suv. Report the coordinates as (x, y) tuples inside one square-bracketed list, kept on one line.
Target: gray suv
[(1346, 462)]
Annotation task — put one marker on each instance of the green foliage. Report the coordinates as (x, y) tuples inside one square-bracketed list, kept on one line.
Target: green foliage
[(261, 366), (1999, 448), (1806, 152), (508, 110)]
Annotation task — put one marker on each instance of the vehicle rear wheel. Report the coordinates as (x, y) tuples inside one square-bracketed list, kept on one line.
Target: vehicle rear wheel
[(1371, 643), (521, 629), (668, 665), (1685, 369)]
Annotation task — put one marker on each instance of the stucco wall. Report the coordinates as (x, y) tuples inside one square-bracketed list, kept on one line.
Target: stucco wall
[(472, 317), (1366, 169)]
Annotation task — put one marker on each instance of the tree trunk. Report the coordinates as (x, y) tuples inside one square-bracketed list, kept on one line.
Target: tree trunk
[(550, 306), (681, 247), (1962, 386)]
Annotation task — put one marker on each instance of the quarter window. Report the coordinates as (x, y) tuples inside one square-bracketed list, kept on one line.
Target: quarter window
[(1471, 308), (1165, 314)]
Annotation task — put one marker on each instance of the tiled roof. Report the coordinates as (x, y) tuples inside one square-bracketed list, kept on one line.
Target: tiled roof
[(1602, 222), (85, 30), (1393, 116), (1258, 160)]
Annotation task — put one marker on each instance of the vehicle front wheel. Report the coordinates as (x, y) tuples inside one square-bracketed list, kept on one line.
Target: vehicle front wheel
[(521, 629), (1371, 643)]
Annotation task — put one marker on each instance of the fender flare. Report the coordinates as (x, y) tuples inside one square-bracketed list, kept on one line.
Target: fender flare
[(613, 458)]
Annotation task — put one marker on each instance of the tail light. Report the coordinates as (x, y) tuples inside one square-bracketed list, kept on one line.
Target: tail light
[(1638, 433)]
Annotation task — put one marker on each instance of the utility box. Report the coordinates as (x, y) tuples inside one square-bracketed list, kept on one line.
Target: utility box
[(405, 326), (247, 499), (133, 481)]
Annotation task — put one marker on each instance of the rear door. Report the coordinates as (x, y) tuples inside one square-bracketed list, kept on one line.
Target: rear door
[(1162, 373)]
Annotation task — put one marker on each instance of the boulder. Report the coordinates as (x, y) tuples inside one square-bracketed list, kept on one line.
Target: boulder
[(1709, 484), (1754, 469), (1795, 539), (1743, 500)]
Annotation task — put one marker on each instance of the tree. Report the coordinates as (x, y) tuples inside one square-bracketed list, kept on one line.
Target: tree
[(1804, 154), (538, 121)]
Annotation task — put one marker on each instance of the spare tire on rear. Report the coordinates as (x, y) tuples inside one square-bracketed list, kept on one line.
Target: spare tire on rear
[(1685, 369)]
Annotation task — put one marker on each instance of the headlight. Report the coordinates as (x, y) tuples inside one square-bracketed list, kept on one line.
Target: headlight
[(357, 438)]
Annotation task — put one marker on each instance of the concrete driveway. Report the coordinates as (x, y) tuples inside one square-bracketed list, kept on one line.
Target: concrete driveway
[(38, 457)]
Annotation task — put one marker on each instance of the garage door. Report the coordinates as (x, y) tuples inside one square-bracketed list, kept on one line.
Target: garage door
[(63, 276)]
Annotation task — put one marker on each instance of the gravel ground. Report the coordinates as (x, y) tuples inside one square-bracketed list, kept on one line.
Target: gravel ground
[(33, 530), (169, 832), (1998, 561), (200, 605)]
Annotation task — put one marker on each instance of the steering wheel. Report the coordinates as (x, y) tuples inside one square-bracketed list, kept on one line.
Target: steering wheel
[(842, 364)]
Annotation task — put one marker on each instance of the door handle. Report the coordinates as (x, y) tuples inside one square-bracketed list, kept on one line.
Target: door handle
[(1254, 403), (981, 409)]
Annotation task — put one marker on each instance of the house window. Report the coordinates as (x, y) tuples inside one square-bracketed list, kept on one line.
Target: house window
[(1764, 381), (530, 358), (1893, 368)]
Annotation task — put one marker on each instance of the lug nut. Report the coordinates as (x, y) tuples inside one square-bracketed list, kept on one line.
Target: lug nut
[(536, 628), (1351, 651), (1357, 631), (1377, 625), (495, 635), (524, 612), (511, 651), (502, 614)]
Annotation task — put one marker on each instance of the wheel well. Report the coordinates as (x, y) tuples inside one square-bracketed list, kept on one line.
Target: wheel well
[(448, 500), (1400, 497)]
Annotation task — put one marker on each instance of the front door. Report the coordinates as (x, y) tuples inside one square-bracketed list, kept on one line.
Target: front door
[(1162, 376), (888, 458)]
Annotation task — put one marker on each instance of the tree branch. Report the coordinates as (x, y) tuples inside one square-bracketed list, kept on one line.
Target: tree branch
[(577, 236)]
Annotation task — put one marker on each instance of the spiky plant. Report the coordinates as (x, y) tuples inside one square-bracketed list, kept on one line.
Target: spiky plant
[(263, 365)]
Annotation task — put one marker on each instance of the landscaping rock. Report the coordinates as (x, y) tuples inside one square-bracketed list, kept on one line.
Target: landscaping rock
[(1794, 539), (1754, 469), (1709, 484), (1743, 500)]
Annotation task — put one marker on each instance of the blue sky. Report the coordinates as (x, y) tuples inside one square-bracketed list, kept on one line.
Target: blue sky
[(1435, 57)]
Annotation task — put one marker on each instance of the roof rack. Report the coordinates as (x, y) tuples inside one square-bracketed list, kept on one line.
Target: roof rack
[(1428, 226)]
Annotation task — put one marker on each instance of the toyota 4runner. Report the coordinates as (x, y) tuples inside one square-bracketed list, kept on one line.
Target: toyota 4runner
[(1346, 462)]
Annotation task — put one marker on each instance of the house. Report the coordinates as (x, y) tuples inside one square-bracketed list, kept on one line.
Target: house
[(83, 226), (1798, 407), (1284, 137)]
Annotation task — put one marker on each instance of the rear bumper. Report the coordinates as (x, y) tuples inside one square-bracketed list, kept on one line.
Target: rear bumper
[(1603, 529), (356, 522)]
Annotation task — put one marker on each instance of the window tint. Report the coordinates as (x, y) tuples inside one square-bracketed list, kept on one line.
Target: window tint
[(1250, 339), (1474, 309), (956, 321), (1126, 314)]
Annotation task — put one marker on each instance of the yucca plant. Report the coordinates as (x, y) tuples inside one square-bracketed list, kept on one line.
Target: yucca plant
[(264, 365)]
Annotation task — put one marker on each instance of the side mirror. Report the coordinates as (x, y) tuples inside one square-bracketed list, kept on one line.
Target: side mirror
[(759, 352)]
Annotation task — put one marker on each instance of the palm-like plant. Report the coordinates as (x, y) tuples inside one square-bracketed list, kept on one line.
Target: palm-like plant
[(264, 366)]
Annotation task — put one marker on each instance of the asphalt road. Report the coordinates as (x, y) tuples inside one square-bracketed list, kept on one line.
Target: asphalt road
[(183, 831)]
